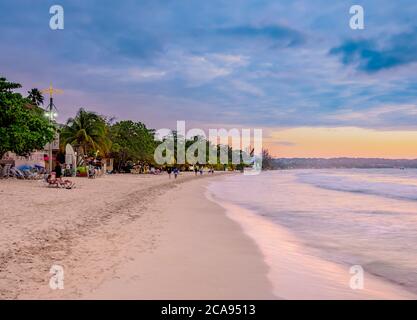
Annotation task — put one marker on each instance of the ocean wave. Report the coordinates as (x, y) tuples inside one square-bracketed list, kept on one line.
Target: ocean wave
[(387, 186)]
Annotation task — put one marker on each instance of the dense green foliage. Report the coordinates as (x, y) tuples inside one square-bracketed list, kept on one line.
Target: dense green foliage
[(131, 141), (23, 127), (88, 133)]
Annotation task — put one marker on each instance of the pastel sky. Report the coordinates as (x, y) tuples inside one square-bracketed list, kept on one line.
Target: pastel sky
[(293, 68)]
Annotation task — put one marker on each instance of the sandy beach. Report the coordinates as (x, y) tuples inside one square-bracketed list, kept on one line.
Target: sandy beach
[(124, 236), (150, 237), (218, 150)]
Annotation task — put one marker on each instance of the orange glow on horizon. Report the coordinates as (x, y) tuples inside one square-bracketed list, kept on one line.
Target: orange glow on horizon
[(310, 142)]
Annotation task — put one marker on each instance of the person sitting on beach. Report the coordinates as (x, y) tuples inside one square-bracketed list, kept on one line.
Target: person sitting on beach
[(54, 181), (58, 177)]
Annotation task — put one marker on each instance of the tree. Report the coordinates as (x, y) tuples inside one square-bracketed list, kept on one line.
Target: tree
[(8, 87), (267, 160), (36, 97), (23, 128), (88, 132), (131, 141)]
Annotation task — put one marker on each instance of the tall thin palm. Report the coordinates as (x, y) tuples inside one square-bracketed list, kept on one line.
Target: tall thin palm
[(87, 132), (36, 97)]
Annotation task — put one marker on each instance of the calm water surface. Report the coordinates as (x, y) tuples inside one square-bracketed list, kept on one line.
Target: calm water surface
[(365, 217)]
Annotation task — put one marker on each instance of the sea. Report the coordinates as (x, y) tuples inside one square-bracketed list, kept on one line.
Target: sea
[(365, 217)]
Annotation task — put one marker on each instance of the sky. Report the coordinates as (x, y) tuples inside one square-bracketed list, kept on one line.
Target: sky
[(296, 69)]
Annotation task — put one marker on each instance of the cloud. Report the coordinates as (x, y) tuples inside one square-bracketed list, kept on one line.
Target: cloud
[(372, 55), (230, 59), (198, 69), (284, 143), (141, 46), (265, 65), (126, 73), (247, 88), (384, 116), (281, 35), (146, 74)]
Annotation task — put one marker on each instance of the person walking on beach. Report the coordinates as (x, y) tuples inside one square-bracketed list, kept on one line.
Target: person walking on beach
[(201, 171), (176, 171), (195, 170), (169, 170)]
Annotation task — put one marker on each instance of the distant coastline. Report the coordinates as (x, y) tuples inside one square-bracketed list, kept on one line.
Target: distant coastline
[(343, 163)]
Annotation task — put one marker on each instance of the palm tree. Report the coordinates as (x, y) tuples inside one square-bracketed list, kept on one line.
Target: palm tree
[(36, 97), (88, 132)]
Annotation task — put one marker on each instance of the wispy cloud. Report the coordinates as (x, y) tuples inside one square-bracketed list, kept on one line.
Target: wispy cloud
[(281, 35), (385, 116), (248, 88), (284, 143)]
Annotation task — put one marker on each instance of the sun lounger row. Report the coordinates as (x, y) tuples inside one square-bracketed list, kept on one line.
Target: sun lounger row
[(8, 171)]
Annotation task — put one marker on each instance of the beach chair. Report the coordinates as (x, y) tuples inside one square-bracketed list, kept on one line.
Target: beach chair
[(29, 175), (16, 173), (54, 182), (51, 180), (6, 171), (66, 184)]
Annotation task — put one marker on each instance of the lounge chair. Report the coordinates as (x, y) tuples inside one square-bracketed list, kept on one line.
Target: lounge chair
[(29, 175), (16, 173), (59, 183), (5, 172)]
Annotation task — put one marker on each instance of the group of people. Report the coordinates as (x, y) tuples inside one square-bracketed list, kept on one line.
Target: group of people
[(55, 178), (197, 171), (94, 168), (175, 171)]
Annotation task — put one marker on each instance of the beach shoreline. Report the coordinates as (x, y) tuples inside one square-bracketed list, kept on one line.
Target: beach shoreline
[(151, 237), (112, 234), (201, 254), (298, 269), (296, 274)]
